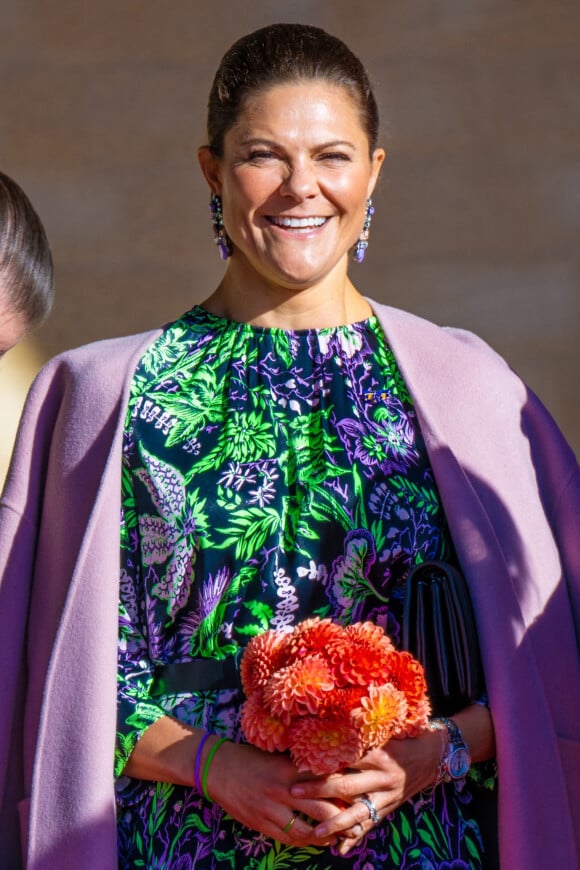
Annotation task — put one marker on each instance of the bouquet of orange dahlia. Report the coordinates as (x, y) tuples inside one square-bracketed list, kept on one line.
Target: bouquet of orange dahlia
[(329, 693)]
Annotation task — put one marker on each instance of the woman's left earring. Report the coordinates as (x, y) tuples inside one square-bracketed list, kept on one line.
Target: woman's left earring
[(220, 236), (363, 239)]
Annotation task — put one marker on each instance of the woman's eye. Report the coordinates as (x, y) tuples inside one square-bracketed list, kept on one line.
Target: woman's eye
[(336, 156), (258, 156)]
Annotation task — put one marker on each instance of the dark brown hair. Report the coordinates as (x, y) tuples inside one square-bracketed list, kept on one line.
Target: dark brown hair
[(280, 54), (26, 270)]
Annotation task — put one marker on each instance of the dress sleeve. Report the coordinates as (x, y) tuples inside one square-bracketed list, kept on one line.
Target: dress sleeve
[(136, 710)]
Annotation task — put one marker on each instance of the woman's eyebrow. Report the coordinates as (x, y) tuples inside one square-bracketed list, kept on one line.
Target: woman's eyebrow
[(262, 140)]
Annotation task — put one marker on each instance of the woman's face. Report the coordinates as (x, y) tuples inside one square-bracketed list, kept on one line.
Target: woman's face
[(12, 324), (294, 179)]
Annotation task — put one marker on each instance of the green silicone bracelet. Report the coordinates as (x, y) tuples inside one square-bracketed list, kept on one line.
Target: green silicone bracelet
[(208, 761)]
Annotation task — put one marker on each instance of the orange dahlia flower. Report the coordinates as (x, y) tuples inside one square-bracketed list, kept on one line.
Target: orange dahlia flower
[(407, 674), (324, 745), (312, 636), (359, 656), (381, 712), (341, 701), (261, 728), (263, 656), (298, 688)]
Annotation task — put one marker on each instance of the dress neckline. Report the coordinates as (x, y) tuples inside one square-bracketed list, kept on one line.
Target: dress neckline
[(200, 314)]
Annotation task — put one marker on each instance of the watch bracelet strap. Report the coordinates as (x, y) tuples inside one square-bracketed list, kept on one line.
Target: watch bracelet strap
[(453, 730), (454, 737), (441, 775)]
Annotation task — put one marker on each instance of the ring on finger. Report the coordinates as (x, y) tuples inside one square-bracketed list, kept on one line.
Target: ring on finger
[(287, 827), (373, 814)]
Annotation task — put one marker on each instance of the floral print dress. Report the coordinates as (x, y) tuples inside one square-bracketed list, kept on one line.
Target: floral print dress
[(268, 476)]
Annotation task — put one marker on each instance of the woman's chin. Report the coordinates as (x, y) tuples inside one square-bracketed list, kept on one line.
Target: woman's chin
[(298, 274)]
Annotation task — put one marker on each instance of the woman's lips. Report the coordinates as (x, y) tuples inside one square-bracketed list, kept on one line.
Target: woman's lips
[(297, 223)]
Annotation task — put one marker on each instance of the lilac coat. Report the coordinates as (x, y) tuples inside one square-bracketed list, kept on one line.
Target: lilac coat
[(511, 491)]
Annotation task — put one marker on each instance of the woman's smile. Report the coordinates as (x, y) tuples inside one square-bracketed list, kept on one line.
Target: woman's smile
[(300, 224)]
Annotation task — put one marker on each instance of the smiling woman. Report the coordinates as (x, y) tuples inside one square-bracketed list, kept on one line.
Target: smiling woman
[(294, 179), (287, 450)]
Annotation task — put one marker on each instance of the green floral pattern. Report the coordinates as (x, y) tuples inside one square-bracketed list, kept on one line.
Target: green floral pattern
[(268, 476)]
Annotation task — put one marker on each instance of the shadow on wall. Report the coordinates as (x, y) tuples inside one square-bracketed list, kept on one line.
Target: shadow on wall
[(17, 371)]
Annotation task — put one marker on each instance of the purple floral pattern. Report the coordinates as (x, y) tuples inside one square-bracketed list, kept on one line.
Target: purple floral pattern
[(268, 476)]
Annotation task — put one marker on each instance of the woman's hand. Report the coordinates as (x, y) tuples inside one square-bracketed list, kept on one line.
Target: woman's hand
[(265, 792), (387, 776), (251, 785), (254, 787), (390, 776)]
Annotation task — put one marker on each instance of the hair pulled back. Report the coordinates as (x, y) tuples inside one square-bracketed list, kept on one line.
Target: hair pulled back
[(26, 270), (283, 54)]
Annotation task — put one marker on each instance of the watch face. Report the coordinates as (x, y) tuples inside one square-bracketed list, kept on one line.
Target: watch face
[(458, 762)]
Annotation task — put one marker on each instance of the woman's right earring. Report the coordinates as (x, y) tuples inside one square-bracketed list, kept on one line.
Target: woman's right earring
[(221, 238)]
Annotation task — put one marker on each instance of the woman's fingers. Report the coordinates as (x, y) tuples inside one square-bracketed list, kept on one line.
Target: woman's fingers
[(353, 822), (253, 787), (299, 831), (347, 842), (295, 830), (346, 786)]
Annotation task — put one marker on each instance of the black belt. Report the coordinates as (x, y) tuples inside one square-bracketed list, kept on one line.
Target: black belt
[(198, 675)]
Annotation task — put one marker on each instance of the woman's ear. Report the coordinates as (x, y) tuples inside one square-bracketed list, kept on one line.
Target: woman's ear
[(210, 167), (377, 159)]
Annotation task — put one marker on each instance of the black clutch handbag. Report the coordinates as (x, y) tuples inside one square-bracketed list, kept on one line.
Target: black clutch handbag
[(439, 630)]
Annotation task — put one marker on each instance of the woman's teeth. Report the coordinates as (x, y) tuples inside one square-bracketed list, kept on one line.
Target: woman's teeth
[(298, 223)]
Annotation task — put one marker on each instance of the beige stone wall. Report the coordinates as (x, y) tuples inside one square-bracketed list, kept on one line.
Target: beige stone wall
[(102, 107)]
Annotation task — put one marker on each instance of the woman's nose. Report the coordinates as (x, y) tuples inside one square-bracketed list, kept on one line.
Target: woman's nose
[(300, 182)]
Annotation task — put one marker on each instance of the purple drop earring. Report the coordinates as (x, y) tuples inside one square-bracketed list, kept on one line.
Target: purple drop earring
[(220, 236), (363, 239)]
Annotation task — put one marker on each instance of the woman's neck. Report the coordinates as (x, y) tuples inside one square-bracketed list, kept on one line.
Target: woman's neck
[(333, 302)]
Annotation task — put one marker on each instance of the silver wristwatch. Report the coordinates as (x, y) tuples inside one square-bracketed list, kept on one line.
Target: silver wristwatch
[(456, 758)]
